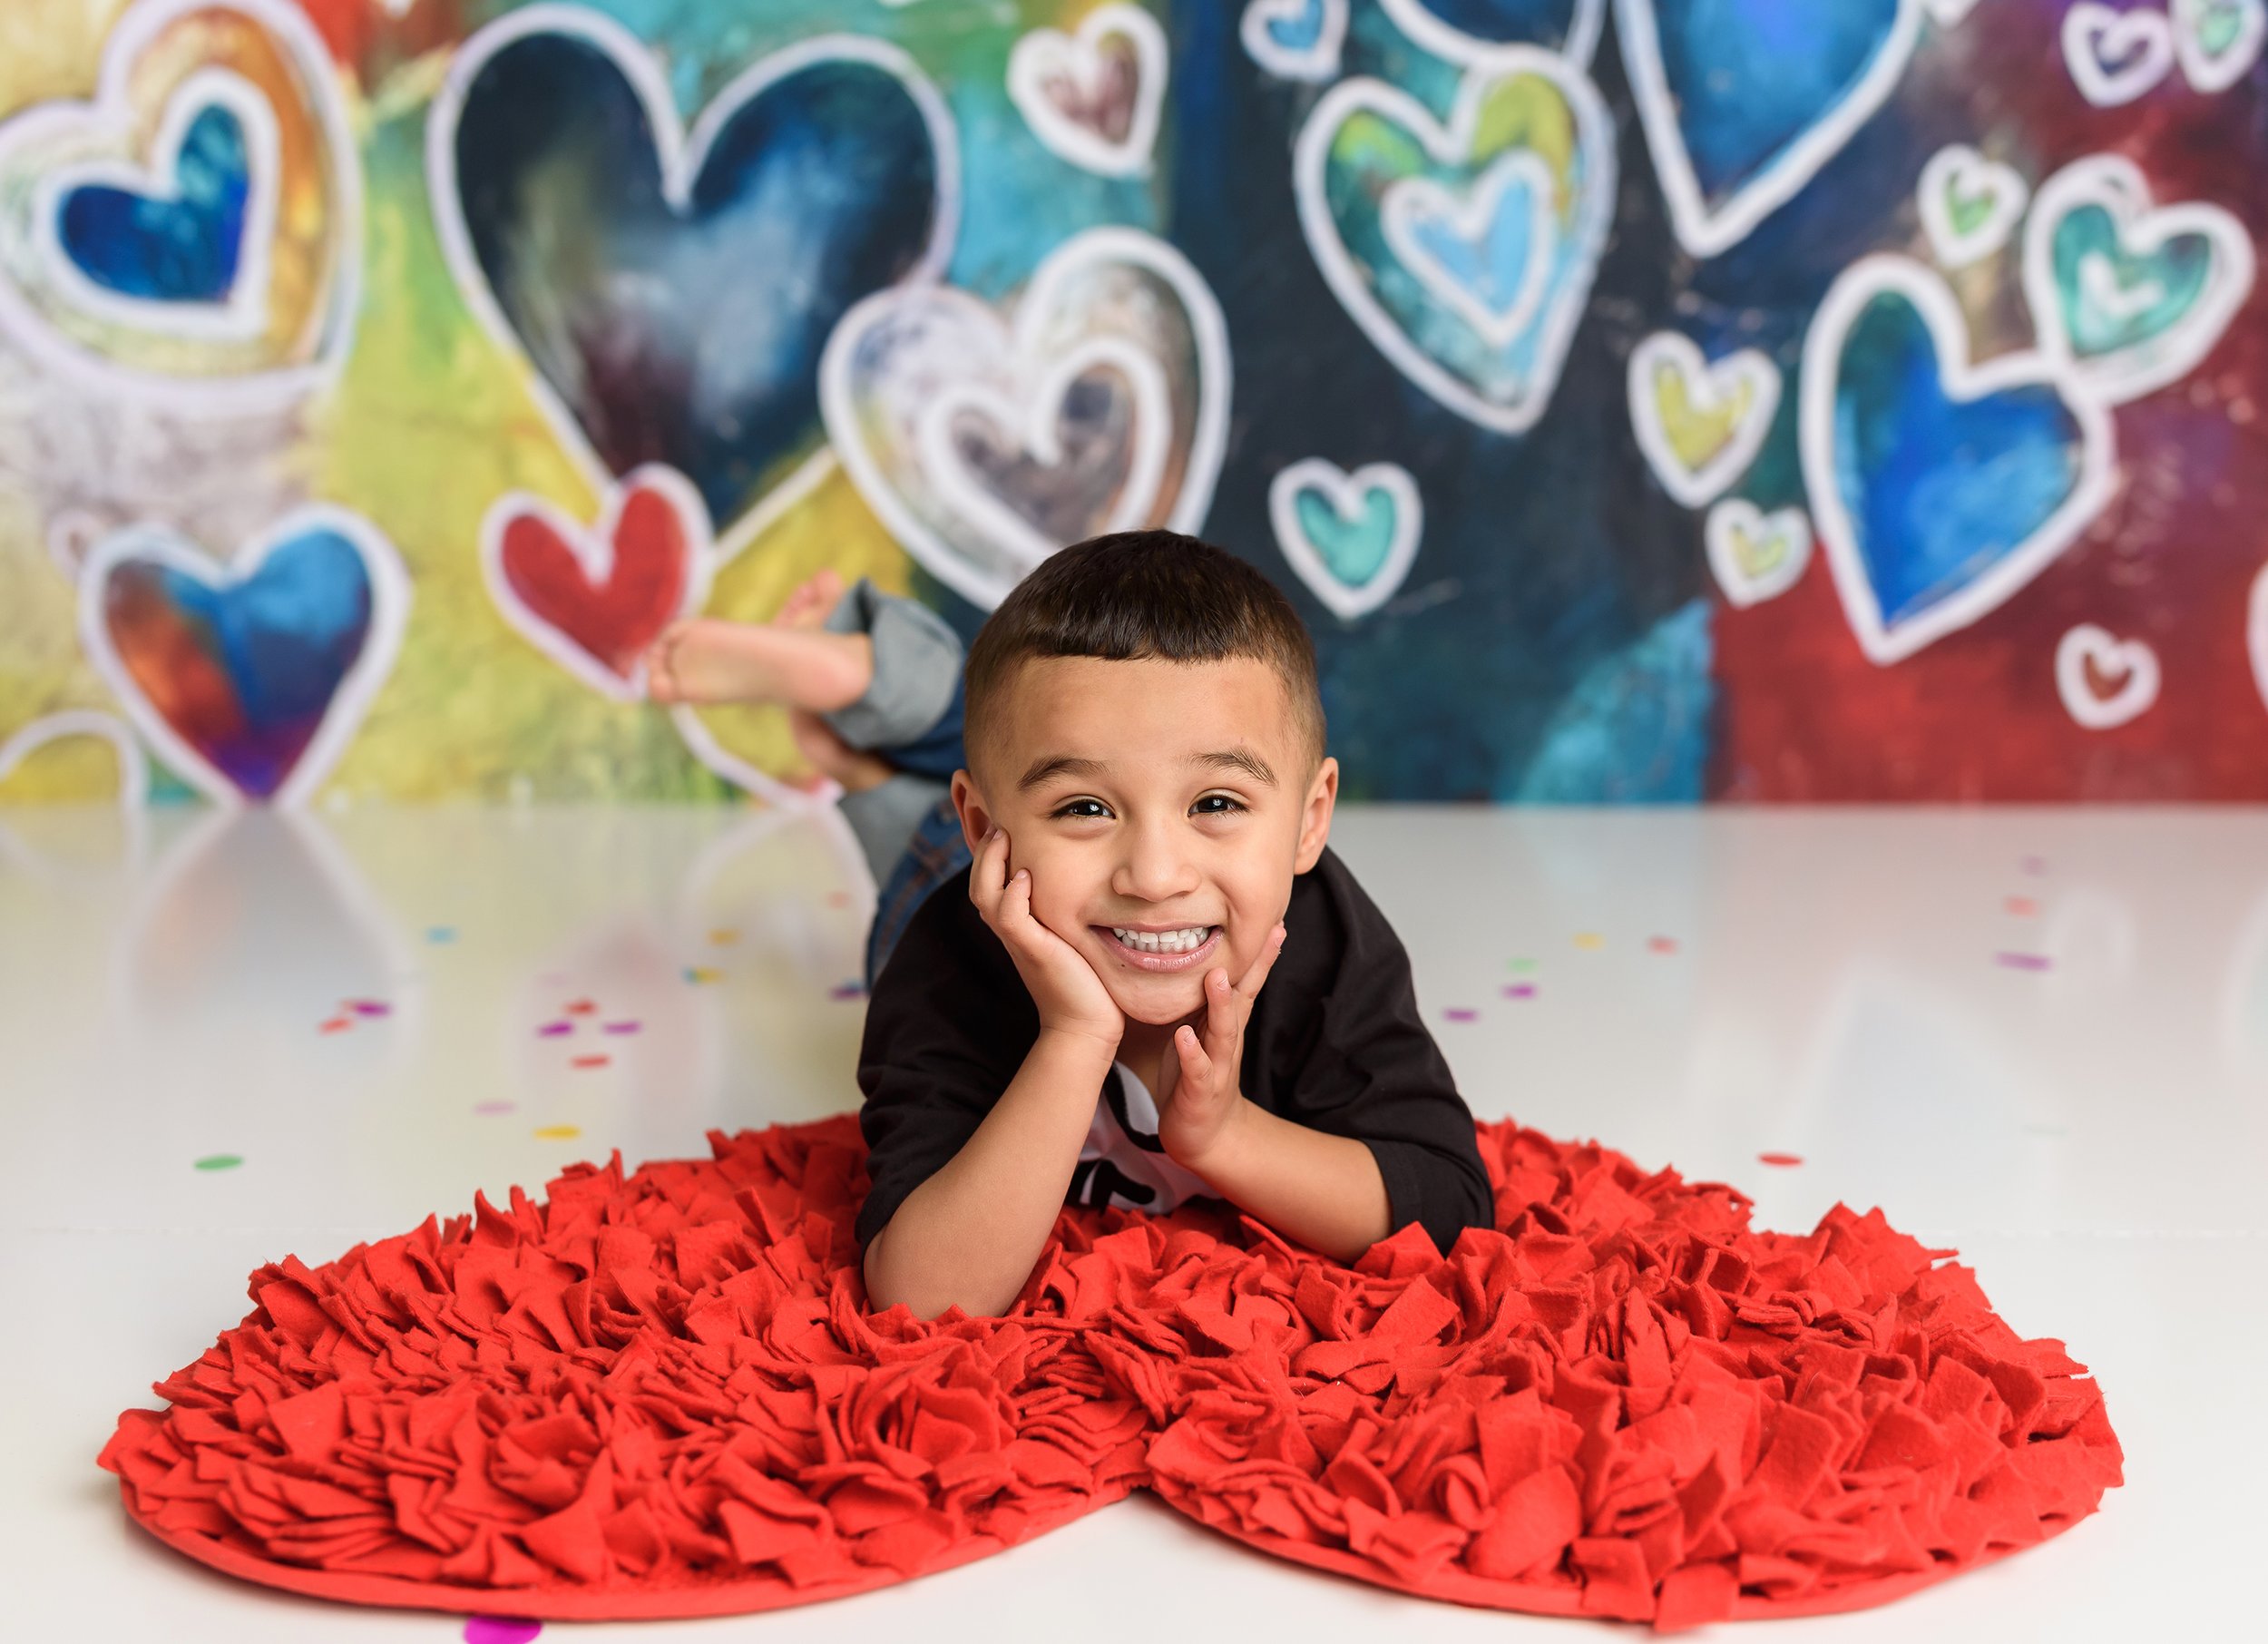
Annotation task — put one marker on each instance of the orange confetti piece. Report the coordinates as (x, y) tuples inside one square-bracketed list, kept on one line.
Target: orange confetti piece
[(581, 1007), (592, 1062)]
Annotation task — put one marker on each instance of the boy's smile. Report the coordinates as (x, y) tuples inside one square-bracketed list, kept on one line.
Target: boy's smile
[(1163, 809)]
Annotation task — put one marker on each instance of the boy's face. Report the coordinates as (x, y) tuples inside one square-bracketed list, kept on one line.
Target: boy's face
[(1169, 799)]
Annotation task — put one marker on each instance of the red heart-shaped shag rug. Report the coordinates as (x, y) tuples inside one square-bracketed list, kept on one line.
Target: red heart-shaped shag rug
[(662, 1396)]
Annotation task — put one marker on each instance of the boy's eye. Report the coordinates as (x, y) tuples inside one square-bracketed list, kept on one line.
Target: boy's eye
[(1095, 808), (1218, 805)]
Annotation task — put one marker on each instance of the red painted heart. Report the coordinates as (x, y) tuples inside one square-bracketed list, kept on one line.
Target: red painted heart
[(662, 1396), (594, 598)]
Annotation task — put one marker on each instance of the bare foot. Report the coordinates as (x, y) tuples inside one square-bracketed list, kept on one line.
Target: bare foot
[(790, 660), (854, 767)]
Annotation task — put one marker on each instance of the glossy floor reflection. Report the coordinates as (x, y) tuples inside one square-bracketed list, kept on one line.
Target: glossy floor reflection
[(2039, 1036)]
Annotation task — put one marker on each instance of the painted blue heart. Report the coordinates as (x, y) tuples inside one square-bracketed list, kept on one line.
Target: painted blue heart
[(689, 337), (1494, 266), (244, 673), (1546, 23), (1355, 549), (1939, 492), (185, 248), (1300, 33), (1750, 79)]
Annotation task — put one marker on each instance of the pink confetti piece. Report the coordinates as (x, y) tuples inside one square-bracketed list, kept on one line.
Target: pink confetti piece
[(500, 1630), (1453, 1014), (494, 1107), (2035, 864), (838, 898), (1519, 989), (592, 1062), (555, 1030), (2023, 907), (369, 1007), (1780, 1159), (1662, 945), (2022, 962), (337, 1025), (623, 1027)]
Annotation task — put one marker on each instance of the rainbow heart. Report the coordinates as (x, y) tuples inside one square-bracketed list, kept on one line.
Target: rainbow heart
[(193, 233), (1465, 249), (250, 681), (593, 598)]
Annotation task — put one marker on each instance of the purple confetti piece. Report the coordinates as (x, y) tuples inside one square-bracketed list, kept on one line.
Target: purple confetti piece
[(2022, 962), (555, 1030), (1461, 1016), (846, 990), (494, 1107), (1521, 989), (500, 1630), (2035, 864), (623, 1027), (369, 1007)]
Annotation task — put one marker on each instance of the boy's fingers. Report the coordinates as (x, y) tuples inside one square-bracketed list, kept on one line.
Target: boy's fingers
[(1250, 986), (1197, 1067), (1223, 1018)]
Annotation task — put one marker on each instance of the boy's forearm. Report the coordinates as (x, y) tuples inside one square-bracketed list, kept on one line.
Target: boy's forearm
[(1322, 1190), (971, 1232)]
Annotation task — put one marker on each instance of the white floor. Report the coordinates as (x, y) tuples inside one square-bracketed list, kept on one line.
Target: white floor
[(2092, 1135)]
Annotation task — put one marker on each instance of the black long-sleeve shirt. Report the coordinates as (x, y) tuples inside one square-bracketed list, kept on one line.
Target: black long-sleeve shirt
[(1333, 1042)]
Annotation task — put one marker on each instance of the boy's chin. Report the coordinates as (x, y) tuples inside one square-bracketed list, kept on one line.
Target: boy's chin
[(1160, 1002)]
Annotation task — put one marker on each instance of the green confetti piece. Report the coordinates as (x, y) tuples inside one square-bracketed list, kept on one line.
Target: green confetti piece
[(220, 1161)]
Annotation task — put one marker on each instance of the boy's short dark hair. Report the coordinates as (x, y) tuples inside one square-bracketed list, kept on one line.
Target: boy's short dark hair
[(1139, 595)]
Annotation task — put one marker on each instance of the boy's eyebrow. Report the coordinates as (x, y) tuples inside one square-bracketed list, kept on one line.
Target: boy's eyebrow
[(1068, 765)]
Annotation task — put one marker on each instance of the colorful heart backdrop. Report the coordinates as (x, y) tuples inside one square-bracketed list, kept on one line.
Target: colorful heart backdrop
[(1879, 385)]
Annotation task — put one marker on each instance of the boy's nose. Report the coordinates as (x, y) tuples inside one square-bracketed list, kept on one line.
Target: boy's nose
[(1154, 868)]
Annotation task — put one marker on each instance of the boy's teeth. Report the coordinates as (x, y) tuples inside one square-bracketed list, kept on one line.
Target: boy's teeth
[(1164, 942)]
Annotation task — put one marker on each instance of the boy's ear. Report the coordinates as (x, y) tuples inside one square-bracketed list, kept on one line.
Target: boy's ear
[(1314, 822), (976, 817)]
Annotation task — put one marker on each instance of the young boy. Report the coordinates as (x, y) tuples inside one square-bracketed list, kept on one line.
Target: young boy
[(1147, 977)]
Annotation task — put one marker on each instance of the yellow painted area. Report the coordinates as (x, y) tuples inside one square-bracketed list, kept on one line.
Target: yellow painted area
[(1697, 435)]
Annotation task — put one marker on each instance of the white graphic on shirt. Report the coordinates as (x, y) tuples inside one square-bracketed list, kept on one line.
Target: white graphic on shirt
[(1115, 1168)]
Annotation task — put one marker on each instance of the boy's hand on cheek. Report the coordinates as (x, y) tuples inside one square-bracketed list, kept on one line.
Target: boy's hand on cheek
[(1071, 997), (1206, 1093)]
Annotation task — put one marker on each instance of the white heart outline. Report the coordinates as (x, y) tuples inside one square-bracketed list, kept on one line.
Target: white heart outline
[(2087, 27), (1706, 230), (963, 493), (592, 546), (1737, 516), (680, 152), (1948, 14), (1469, 217), (1453, 45), (1957, 166), (1036, 53), (1962, 382), (2256, 632), (390, 597), (134, 764), (112, 111), (239, 316), (2117, 186), (1347, 492), (1318, 63), (2088, 643), (1706, 386), (2205, 72), (1451, 144), (1208, 433)]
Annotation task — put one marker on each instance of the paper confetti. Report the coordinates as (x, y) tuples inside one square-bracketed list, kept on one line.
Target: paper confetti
[(441, 933), (1520, 964), (1461, 1016), (838, 898), (580, 1007), (557, 1132), (1661, 945), (220, 1161), (723, 938), (555, 1030), (1780, 1159), (2035, 864), (1519, 989), (2022, 962), (337, 1025), (846, 990), (623, 1027), (1590, 939), (2023, 907), (369, 1007), (699, 973), (495, 1107), (500, 1630), (592, 1062)]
